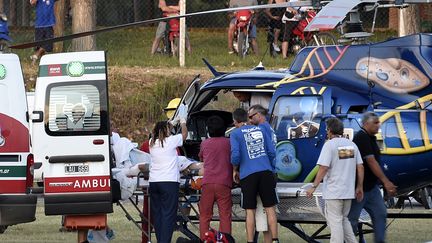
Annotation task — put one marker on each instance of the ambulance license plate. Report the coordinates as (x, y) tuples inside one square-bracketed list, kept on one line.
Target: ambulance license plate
[(77, 169)]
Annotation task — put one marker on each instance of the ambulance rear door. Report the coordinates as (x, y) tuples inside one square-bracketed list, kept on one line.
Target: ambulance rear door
[(16, 162), (71, 133)]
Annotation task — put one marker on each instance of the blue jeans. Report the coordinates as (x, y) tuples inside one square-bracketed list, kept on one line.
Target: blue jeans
[(163, 204), (373, 203)]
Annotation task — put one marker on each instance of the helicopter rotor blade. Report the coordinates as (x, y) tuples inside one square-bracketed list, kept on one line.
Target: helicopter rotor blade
[(333, 13), (92, 32)]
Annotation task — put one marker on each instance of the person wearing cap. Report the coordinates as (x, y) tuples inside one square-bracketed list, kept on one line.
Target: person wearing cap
[(171, 107)]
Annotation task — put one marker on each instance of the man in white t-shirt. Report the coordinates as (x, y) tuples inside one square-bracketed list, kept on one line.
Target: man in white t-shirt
[(339, 163)]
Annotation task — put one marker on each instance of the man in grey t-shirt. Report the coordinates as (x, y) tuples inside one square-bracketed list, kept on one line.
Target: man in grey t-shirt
[(339, 162)]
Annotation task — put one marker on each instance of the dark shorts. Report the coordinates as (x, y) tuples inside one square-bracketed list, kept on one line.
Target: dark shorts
[(276, 24), (43, 34), (260, 183), (289, 26)]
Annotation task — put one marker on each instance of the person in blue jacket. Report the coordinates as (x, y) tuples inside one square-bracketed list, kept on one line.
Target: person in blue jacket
[(44, 26), (252, 155)]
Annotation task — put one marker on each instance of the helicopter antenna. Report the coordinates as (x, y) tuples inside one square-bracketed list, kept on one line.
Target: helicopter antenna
[(265, 53)]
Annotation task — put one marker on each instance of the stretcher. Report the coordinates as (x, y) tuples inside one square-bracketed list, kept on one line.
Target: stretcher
[(294, 207)]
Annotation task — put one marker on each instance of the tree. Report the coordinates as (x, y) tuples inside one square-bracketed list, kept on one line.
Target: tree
[(25, 13), (60, 13), (83, 19), (409, 20), (12, 19)]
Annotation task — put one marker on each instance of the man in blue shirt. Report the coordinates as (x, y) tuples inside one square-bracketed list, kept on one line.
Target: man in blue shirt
[(45, 20), (257, 116), (251, 155)]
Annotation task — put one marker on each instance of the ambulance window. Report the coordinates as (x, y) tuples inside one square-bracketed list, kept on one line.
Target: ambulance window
[(296, 117), (74, 108)]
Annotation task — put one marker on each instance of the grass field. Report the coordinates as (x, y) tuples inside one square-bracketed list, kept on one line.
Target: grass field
[(46, 229)]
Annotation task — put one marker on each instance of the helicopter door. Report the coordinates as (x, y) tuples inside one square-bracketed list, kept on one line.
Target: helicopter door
[(190, 94), (300, 130), (71, 133)]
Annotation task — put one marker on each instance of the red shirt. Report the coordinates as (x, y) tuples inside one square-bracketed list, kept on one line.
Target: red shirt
[(216, 154)]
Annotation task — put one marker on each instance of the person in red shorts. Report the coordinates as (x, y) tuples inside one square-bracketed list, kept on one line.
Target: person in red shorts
[(217, 180)]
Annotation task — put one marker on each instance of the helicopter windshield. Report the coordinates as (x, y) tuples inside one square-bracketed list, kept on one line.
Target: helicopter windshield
[(297, 117)]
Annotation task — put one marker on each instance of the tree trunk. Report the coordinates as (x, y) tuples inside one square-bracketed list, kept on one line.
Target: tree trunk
[(60, 12), (83, 19), (409, 21), (12, 19), (25, 13)]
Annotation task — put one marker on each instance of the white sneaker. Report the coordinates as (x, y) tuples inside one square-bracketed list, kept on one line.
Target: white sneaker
[(276, 47)]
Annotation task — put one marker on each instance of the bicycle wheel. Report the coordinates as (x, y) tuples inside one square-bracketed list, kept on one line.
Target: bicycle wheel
[(322, 39), (241, 43)]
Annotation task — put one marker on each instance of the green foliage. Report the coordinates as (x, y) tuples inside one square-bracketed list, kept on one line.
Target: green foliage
[(426, 26)]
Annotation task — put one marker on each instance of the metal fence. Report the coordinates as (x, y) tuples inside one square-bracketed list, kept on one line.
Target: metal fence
[(202, 29)]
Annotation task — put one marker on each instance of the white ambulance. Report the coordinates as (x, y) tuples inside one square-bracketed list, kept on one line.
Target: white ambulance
[(70, 133), (16, 161)]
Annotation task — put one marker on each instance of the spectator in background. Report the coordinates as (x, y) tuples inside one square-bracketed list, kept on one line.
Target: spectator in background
[(251, 156), (217, 180), (339, 163), (290, 21), (275, 17), (45, 21), (231, 28), (166, 8)]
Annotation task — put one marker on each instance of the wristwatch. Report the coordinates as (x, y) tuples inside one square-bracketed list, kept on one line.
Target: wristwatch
[(313, 186)]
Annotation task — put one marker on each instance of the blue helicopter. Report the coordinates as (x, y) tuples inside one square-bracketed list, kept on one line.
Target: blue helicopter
[(390, 78)]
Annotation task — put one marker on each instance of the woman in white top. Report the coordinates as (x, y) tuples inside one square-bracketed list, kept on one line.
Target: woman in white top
[(164, 178)]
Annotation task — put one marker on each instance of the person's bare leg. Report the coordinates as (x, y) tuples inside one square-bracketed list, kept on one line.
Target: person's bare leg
[(255, 46), (188, 46), (267, 236), (285, 49), (231, 30), (155, 45), (40, 52), (272, 221), (250, 224), (276, 36), (82, 235)]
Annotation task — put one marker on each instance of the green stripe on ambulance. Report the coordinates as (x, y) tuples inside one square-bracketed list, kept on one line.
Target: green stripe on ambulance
[(13, 171), (72, 69)]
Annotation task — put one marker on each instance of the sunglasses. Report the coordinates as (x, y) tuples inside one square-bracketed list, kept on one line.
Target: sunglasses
[(251, 116)]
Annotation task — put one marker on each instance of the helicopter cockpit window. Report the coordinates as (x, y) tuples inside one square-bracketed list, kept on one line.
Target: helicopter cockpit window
[(297, 117), (223, 101)]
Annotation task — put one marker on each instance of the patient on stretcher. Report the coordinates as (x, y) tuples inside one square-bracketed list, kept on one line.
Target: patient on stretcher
[(130, 161)]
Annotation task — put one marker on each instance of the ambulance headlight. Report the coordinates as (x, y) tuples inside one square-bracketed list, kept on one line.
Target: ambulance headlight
[(75, 69), (2, 71)]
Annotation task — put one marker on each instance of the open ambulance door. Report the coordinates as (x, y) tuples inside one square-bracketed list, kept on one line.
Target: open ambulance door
[(71, 133)]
